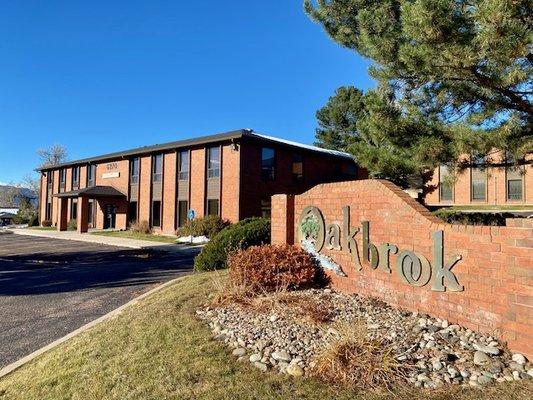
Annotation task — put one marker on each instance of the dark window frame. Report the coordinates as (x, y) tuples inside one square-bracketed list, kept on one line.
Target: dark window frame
[(213, 173), (75, 179), (217, 207), (268, 171), (62, 179), (298, 177), (91, 175), (182, 221), (443, 185), (157, 177), (135, 168), (183, 174), (153, 214)]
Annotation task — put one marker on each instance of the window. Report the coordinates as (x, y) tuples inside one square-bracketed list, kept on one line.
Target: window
[(183, 211), (91, 214), (75, 178), (91, 175), (352, 170), (183, 165), (445, 184), (212, 207), (132, 212), (156, 213), (266, 207), (134, 171), (478, 178), (62, 179), (213, 162), (268, 161), (48, 212), (297, 168), (49, 178), (74, 209), (157, 168), (513, 175), (514, 189)]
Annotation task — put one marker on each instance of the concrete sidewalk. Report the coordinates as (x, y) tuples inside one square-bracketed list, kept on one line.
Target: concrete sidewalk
[(107, 240)]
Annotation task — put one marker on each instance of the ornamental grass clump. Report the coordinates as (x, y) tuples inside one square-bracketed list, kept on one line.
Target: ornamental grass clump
[(356, 361), (273, 268)]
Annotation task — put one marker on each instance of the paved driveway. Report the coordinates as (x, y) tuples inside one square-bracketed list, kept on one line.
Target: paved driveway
[(50, 287)]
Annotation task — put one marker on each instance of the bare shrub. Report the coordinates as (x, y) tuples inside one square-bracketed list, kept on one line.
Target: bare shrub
[(273, 268), (46, 223), (141, 227), (356, 361), (72, 225)]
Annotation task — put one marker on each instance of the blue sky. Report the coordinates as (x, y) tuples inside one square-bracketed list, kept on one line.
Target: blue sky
[(101, 76)]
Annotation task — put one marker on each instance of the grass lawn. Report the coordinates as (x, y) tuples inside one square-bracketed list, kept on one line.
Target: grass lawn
[(158, 349), (137, 235), (43, 228)]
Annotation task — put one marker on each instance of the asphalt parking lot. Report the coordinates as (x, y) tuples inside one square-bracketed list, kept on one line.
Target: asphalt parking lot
[(50, 287)]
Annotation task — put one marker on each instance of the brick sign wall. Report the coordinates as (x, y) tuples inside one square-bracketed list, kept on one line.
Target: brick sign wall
[(373, 239)]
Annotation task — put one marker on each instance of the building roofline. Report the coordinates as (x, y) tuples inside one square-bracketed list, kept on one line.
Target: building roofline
[(219, 137)]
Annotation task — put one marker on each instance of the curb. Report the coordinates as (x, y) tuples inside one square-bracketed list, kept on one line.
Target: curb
[(17, 364)]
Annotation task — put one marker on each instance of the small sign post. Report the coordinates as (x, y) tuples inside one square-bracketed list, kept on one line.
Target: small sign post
[(190, 216)]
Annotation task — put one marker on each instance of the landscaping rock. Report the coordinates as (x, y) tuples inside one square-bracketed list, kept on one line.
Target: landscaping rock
[(435, 353), (481, 358), (281, 356), (295, 370), (239, 352)]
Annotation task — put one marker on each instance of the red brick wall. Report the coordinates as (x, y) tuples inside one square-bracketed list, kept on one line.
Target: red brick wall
[(230, 193), (197, 176), (169, 193), (496, 269), (145, 180), (317, 169)]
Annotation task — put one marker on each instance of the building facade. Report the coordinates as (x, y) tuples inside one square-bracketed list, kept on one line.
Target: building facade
[(496, 180), (232, 174)]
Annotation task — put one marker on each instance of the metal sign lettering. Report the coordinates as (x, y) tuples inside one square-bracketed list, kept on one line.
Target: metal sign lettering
[(411, 267)]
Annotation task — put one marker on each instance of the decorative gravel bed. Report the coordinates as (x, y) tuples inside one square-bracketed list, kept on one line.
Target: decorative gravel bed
[(286, 332)]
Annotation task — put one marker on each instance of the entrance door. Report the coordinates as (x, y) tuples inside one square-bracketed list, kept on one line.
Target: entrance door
[(110, 216)]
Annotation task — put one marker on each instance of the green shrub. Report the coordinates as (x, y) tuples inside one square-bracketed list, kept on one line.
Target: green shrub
[(47, 223), (246, 233), (34, 220), (72, 225), (208, 226), (456, 217), (263, 269)]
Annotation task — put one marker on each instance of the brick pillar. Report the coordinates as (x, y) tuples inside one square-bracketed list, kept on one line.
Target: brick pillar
[(282, 230), (83, 214), (62, 213)]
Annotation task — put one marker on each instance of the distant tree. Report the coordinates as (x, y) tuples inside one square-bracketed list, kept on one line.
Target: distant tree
[(8, 195), (454, 76), (54, 155), (32, 182), (337, 120), (26, 210)]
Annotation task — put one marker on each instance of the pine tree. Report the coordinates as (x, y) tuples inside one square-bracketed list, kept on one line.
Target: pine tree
[(454, 76), (337, 120)]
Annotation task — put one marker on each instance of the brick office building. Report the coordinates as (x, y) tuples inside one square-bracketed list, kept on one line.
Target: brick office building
[(502, 183), (231, 174)]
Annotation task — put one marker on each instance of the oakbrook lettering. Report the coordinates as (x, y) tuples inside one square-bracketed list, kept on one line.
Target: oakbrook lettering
[(413, 268)]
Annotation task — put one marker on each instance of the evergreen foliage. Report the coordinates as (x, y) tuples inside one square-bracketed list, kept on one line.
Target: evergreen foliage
[(454, 77)]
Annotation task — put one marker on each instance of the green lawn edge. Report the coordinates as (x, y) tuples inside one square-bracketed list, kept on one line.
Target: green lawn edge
[(158, 349), (137, 236)]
